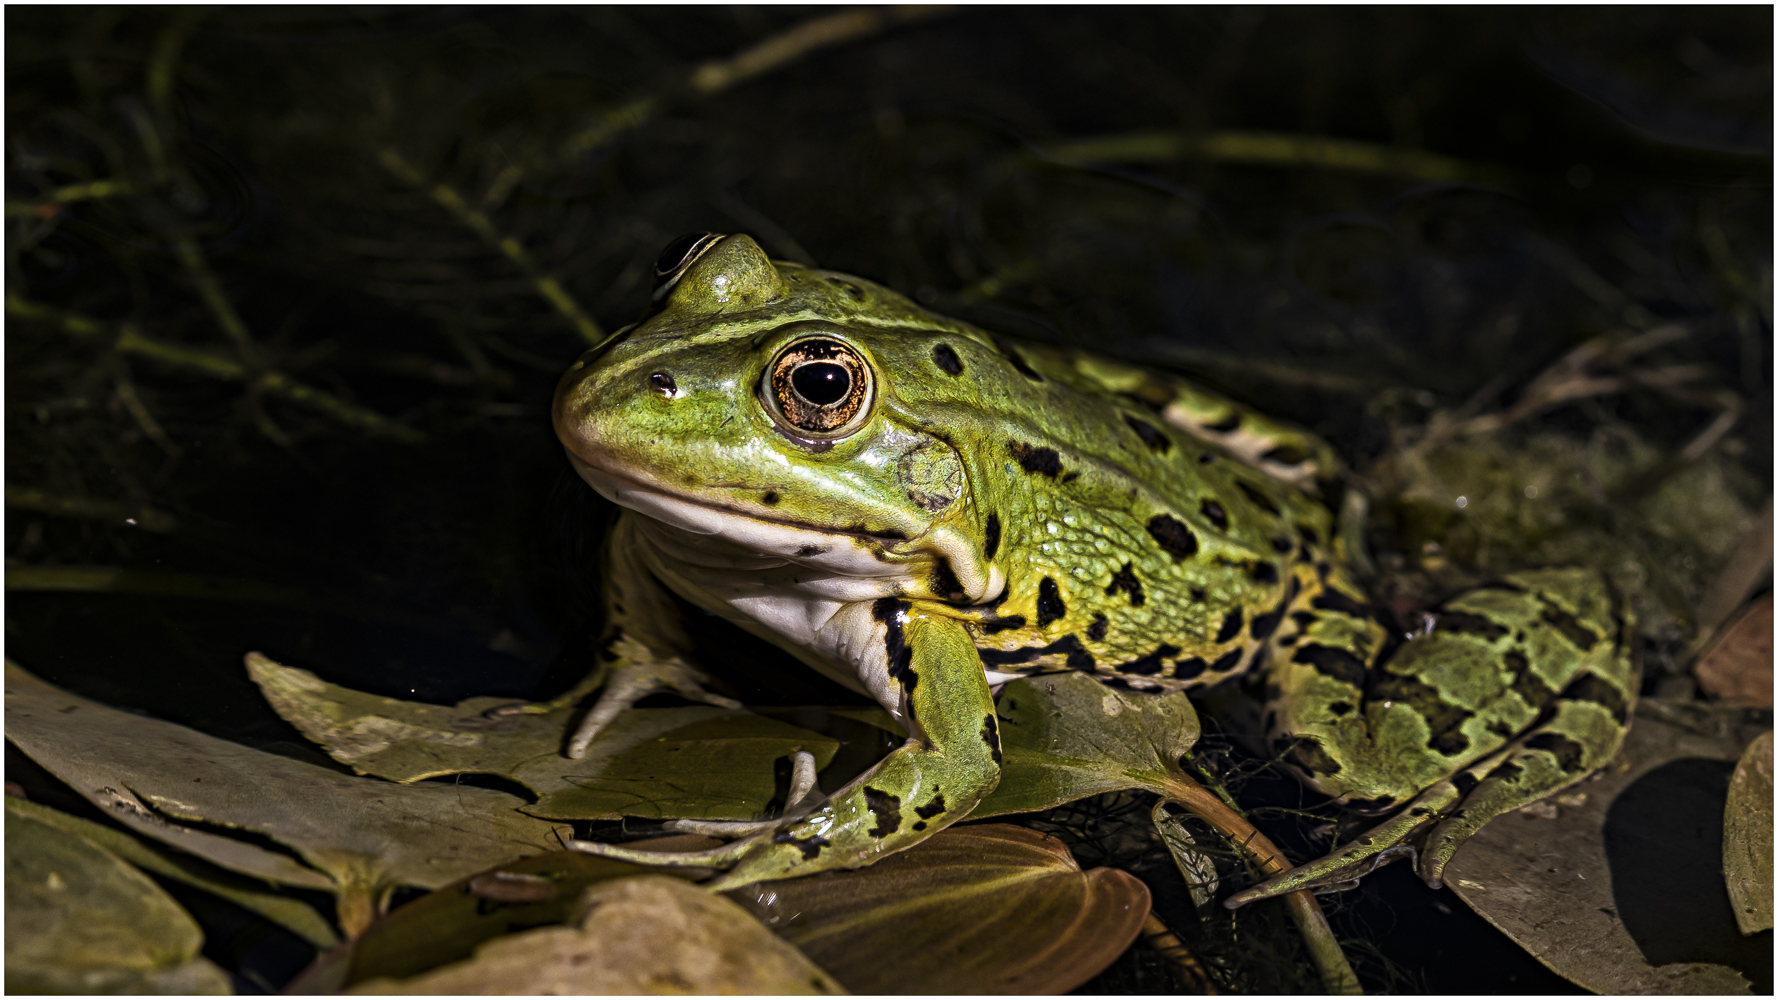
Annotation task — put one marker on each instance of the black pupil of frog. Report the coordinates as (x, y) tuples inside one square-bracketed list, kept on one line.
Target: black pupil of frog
[(822, 382)]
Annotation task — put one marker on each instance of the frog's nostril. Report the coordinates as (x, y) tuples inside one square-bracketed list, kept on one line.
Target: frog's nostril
[(663, 383)]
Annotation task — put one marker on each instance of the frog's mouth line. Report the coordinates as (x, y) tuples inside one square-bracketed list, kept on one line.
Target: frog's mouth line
[(791, 540)]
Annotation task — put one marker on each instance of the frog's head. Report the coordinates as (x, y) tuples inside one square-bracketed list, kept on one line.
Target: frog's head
[(788, 411)]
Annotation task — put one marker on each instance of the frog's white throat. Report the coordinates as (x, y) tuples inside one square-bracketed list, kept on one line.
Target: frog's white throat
[(806, 590)]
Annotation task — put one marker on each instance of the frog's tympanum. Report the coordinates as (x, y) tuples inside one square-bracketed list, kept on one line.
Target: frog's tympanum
[(923, 510)]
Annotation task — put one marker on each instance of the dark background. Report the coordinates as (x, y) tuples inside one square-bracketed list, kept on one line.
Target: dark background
[(339, 183)]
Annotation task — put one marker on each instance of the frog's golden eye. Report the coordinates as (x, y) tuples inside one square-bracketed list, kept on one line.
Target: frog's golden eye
[(678, 258), (820, 387)]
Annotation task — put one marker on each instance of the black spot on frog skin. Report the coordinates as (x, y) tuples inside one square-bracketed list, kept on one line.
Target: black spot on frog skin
[(1339, 708), (1096, 631), (1226, 425), (1286, 454), (1214, 513), (1012, 355), (886, 808), (1499, 728), (1282, 545), (1126, 582), (1570, 626), (947, 360), (931, 809), (1375, 805), (1259, 499), (991, 736), (1588, 687), (811, 550), (1531, 689), (1443, 720), (898, 655), (1198, 595), (1150, 435), (1231, 626), (1332, 600), (811, 847), (1465, 783), (1068, 646), (1332, 661), (944, 582), (1150, 664), (1570, 756), (1307, 753), (1205, 458), (1263, 572), (993, 626), (1039, 461), (1308, 535), (771, 498), (1263, 626), (1187, 669), (1173, 536), (1464, 623), (1049, 603), (991, 537), (1226, 662)]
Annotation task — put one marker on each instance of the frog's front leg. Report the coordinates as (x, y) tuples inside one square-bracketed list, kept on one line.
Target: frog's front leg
[(643, 650), (950, 762)]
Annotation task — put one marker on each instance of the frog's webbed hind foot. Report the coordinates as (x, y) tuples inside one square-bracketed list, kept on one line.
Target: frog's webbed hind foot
[(1577, 738)]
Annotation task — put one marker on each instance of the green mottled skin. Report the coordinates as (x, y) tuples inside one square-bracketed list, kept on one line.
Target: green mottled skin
[(1144, 530)]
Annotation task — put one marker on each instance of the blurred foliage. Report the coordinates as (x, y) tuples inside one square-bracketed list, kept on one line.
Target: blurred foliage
[(288, 290)]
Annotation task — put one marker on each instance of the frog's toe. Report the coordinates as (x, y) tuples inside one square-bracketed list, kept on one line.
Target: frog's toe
[(631, 683), (803, 797), (1340, 870)]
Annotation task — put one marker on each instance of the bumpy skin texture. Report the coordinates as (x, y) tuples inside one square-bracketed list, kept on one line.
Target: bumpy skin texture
[(972, 508)]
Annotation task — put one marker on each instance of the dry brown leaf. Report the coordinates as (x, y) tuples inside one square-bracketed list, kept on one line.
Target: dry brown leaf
[(651, 934), (1737, 668)]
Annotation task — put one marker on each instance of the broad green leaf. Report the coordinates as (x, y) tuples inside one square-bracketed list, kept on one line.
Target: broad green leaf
[(975, 909), (249, 894), (79, 920), (1616, 883), (1747, 837), (1067, 736), (698, 763), (357, 836), (648, 934)]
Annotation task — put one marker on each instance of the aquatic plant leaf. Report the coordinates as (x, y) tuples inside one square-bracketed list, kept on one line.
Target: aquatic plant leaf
[(655, 763), (986, 908), (80, 920), (647, 934), (1616, 884), (1067, 736), (250, 894), (1747, 837), (357, 836)]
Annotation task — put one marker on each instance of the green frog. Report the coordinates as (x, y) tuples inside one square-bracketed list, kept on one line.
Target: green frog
[(923, 511)]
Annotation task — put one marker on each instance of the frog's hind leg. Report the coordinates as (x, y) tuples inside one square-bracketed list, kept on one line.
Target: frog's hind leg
[(1284, 452), (1517, 690)]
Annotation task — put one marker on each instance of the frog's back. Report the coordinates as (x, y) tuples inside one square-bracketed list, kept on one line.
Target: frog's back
[(1136, 539)]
